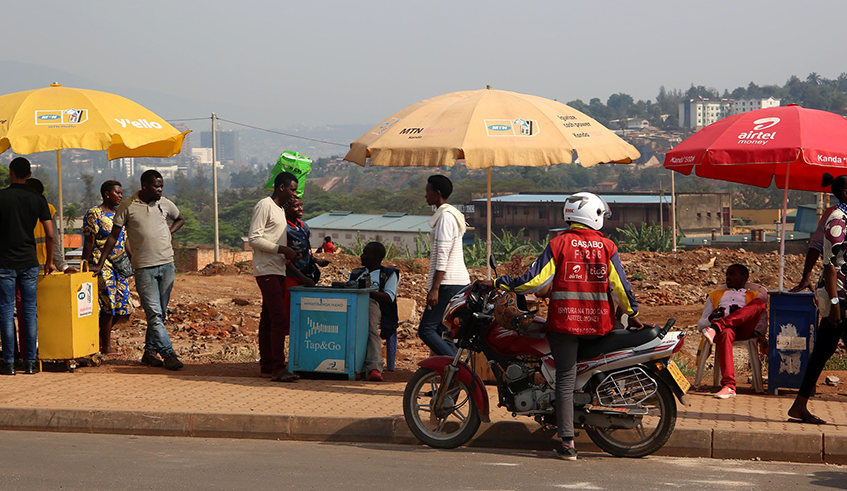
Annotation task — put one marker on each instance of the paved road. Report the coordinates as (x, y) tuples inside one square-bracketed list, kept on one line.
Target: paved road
[(70, 461)]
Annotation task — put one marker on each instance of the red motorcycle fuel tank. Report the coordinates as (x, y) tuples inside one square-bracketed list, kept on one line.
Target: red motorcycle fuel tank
[(508, 342)]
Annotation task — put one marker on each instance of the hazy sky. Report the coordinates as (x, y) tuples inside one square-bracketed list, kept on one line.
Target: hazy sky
[(280, 63)]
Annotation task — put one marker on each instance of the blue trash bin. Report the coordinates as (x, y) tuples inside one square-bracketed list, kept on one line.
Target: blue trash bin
[(793, 325), (329, 330)]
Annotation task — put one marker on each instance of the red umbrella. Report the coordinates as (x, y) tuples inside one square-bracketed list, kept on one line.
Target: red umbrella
[(790, 145)]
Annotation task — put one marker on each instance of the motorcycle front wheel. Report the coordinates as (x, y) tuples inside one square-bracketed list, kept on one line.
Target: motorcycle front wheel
[(649, 435), (451, 425)]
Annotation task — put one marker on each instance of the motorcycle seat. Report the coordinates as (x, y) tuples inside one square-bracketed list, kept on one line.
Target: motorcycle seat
[(617, 339)]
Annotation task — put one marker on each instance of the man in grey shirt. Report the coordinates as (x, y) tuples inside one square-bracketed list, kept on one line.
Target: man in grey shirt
[(145, 216)]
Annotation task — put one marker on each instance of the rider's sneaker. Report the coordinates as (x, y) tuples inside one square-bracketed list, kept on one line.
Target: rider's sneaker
[(709, 333), (725, 393), (566, 453)]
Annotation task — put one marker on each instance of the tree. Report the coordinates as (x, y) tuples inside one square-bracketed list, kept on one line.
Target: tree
[(89, 199), (580, 106), (620, 105), (814, 78), (4, 177)]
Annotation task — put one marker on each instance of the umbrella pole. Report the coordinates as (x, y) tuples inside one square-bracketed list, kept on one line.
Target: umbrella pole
[(782, 232), (488, 229), (673, 209), (61, 235)]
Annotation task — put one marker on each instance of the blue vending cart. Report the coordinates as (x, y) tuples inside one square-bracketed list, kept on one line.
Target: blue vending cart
[(329, 330), (793, 325)]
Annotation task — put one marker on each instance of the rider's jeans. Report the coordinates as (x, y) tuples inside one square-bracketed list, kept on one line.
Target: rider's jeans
[(563, 348), (431, 328)]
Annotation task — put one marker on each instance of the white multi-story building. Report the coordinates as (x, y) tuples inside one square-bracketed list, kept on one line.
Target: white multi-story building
[(747, 105), (697, 113)]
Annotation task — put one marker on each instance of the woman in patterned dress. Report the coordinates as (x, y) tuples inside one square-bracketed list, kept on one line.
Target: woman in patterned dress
[(115, 306)]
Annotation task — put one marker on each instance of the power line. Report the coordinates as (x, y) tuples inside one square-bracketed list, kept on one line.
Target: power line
[(186, 119), (284, 134)]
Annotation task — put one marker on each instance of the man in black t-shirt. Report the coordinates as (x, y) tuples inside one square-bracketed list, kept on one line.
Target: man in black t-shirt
[(20, 210)]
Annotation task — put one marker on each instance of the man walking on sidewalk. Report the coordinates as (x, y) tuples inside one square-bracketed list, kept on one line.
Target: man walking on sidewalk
[(145, 216), (20, 210), (269, 238)]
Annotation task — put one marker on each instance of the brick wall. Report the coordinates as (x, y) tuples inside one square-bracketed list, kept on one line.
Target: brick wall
[(194, 258)]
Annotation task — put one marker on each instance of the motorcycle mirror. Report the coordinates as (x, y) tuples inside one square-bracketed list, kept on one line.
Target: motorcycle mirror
[(493, 263)]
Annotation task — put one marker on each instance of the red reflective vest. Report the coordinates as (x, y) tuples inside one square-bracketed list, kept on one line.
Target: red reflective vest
[(579, 299)]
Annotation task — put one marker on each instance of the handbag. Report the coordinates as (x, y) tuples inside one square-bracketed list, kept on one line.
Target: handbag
[(123, 266), (312, 271)]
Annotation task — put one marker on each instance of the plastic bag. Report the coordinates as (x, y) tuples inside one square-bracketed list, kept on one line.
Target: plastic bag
[(292, 162)]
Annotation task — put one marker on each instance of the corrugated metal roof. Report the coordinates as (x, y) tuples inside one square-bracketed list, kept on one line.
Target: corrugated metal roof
[(390, 222), (623, 199)]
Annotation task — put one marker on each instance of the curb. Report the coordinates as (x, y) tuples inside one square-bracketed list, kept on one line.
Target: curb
[(685, 442)]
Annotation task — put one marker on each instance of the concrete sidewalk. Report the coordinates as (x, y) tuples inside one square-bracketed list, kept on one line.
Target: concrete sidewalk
[(157, 402)]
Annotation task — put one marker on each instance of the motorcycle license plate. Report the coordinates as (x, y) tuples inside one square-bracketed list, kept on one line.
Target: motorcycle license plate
[(678, 377)]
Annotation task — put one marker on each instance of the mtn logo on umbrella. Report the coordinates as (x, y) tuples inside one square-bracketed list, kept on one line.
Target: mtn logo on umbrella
[(61, 116), (511, 127)]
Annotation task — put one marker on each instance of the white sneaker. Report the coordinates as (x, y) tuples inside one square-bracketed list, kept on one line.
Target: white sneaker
[(725, 393)]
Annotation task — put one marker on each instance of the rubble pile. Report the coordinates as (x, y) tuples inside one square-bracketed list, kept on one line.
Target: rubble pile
[(682, 278), (215, 269)]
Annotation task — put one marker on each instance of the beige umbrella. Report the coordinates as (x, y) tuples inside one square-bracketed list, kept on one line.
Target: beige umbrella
[(489, 128)]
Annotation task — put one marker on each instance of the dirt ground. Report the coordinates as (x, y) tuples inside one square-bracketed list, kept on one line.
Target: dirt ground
[(214, 314)]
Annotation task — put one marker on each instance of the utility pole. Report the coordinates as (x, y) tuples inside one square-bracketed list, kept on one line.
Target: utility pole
[(215, 183)]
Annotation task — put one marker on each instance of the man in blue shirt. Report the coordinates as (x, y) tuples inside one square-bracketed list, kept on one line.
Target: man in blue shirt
[(305, 270), (382, 312)]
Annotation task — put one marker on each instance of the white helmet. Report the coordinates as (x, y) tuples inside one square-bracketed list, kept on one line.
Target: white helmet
[(587, 209)]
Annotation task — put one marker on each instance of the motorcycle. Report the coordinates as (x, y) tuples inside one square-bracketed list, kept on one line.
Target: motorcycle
[(623, 397)]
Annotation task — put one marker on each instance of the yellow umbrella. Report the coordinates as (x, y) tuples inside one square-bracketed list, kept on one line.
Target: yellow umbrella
[(56, 118), (489, 128)]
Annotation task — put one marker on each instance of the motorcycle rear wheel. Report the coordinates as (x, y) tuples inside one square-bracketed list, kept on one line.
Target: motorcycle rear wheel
[(652, 432), (453, 425)]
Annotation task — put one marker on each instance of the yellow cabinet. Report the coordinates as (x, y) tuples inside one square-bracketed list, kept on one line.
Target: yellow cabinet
[(68, 313)]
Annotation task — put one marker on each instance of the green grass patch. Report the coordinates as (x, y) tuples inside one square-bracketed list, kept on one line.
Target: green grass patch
[(684, 367), (836, 362)]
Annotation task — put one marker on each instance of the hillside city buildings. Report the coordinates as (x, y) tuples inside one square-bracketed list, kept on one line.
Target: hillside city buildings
[(697, 113)]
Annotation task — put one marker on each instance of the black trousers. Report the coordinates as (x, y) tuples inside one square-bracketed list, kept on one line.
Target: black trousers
[(825, 345)]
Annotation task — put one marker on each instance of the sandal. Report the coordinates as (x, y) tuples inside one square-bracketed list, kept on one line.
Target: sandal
[(284, 376), (810, 419)]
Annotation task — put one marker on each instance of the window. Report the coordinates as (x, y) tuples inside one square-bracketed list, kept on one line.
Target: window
[(542, 212), (397, 239), (699, 216), (377, 238), (526, 210), (348, 236)]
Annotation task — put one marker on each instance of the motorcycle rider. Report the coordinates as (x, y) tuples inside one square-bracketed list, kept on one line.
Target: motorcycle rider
[(577, 271)]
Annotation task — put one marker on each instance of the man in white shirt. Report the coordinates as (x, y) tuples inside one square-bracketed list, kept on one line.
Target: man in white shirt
[(447, 271), (268, 238), (735, 312)]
